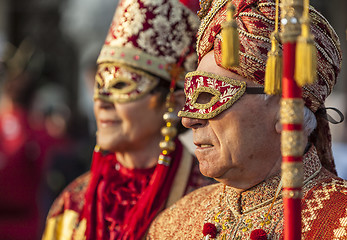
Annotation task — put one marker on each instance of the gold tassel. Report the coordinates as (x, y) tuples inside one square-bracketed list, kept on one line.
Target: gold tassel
[(169, 131), (273, 71), (230, 40), (306, 53)]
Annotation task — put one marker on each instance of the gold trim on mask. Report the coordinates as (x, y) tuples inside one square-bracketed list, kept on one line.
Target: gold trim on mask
[(130, 90), (214, 100)]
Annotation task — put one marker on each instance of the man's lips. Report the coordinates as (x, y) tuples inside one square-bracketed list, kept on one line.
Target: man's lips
[(203, 145)]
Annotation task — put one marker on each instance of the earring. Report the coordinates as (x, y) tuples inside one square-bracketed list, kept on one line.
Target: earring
[(169, 131), (278, 126)]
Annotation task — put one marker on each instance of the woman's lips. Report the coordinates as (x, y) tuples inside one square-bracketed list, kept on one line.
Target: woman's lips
[(107, 123)]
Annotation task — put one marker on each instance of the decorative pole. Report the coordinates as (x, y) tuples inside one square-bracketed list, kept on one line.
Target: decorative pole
[(292, 109)]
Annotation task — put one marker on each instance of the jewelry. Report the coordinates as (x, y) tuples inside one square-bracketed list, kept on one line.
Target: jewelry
[(169, 131)]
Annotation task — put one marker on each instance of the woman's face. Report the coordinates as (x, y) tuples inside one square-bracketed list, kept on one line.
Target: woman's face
[(128, 116), (128, 126)]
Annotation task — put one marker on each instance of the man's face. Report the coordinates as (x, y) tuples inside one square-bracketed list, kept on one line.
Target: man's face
[(239, 147)]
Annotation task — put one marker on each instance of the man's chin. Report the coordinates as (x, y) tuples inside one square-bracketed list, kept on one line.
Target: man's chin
[(208, 173)]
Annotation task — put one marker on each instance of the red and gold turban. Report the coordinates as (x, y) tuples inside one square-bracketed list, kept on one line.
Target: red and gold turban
[(256, 22)]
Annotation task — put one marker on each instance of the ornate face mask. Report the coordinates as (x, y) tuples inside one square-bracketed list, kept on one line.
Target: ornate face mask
[(208, 94), (118, 83)]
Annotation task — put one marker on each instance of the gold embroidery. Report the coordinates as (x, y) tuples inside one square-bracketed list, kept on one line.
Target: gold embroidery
[(258, 60), (255, 15), (249, 35), (207, 19), (316, 202), (341, 233)]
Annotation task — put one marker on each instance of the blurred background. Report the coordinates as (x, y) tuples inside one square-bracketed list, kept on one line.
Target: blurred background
[(48, 50)]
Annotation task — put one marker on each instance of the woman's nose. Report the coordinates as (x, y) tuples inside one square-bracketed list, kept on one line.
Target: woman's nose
[(104, 104)]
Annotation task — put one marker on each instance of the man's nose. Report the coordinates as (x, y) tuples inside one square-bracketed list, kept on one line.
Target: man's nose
[(193, 122)]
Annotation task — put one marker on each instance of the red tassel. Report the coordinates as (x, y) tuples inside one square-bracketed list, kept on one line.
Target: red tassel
[(258, 234), (210, 229), (151, 202)]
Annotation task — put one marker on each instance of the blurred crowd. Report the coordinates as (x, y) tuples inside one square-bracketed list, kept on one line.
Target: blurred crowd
[(43, 145)]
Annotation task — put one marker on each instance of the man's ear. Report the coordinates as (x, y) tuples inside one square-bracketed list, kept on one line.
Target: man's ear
[(275, 101), (278, 126), (180, 99)]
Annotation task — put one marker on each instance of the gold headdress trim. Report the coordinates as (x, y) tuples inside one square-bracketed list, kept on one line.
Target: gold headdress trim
[(135, 58)]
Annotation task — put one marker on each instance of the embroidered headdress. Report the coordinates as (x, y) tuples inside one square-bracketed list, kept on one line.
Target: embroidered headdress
[(151, 36), (145, 42), (256, 21)]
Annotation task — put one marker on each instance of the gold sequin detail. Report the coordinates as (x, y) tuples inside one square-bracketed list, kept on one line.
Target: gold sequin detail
[(292, 143), (292, 111), (292, 174)]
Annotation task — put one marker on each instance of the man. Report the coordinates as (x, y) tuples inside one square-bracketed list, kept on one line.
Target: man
[(148, 45), (238, 141)]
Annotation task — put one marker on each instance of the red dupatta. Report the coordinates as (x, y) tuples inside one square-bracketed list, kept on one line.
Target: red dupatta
[(133, 221)]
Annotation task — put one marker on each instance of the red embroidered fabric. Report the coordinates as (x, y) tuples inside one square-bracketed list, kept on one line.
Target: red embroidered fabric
[(114, 193), (73, 198)]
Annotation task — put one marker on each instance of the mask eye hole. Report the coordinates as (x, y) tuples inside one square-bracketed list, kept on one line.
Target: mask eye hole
[(120, 85), (99, 84), (204, 98)]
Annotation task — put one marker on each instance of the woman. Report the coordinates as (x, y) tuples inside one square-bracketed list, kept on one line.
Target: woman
[(148, 46)]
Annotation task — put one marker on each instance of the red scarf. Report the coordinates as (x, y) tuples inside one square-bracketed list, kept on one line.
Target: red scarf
[(121, 204)]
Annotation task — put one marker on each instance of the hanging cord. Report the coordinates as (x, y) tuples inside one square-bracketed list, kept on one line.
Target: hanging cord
[(330, 119)]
